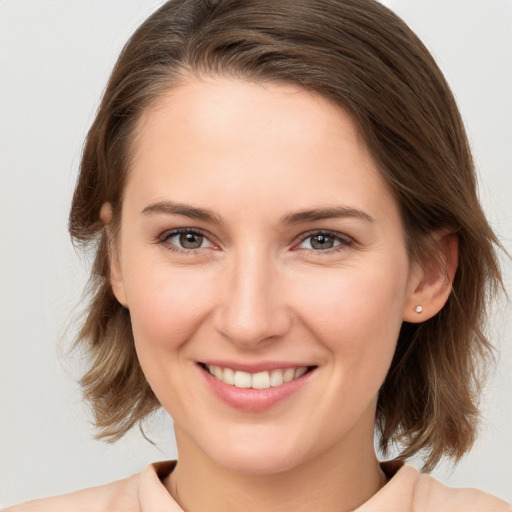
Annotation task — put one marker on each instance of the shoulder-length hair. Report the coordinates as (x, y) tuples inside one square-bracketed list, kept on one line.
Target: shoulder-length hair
[(361, 56)]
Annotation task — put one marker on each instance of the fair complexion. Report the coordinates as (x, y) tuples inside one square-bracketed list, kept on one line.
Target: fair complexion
[(258, 241)]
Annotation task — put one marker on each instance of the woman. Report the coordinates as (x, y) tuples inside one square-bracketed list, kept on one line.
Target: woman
[(291, 252)]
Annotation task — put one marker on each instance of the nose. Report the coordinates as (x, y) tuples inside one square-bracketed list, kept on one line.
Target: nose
[(252, 305)]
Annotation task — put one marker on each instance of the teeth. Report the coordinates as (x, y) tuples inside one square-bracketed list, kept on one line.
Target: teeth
[(242, 380), (260, 380), (299, 372), (229, 376), (276, 378), (288, 374)]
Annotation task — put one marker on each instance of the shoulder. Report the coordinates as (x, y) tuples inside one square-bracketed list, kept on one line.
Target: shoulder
[(430, 494), (408, 490), (122, 495)]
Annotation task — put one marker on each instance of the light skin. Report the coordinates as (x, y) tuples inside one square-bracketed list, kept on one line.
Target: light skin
[(290, 252)]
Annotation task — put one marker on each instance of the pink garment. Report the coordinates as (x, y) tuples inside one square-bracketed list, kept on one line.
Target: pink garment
[(408, 490)]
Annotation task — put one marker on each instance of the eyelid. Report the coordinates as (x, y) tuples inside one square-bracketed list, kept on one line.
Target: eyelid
[(169, 233), (345, 240)]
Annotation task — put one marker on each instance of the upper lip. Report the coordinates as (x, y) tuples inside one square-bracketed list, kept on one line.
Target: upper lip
[(254, 367)]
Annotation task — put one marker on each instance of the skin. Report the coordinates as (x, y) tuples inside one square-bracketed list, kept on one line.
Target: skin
[(256, 290)]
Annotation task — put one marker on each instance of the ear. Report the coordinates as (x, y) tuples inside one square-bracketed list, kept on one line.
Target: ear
[(116, 276), (431, 280)]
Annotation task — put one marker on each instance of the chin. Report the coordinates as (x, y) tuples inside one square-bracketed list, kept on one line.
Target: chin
[(258, 464), (258, 459)]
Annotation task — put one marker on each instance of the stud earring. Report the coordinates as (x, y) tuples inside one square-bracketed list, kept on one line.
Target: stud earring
[(418, 309)]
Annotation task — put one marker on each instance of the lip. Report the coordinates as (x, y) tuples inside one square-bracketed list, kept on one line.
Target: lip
[(254, 367), (254, 400)]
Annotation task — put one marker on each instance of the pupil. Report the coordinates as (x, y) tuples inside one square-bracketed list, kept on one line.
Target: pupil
[(191, 241), (322, 242)]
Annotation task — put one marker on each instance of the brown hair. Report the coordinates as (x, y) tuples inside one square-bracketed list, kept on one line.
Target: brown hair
[(360, 55)]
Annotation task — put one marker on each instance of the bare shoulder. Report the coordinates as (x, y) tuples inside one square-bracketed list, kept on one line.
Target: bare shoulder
[(431, 495), (121, 495)]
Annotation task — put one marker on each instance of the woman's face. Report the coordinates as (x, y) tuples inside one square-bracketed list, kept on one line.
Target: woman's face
[(258, 242)]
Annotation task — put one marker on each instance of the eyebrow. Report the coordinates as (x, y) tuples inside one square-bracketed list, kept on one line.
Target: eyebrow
[(335, 212), (171, 208)]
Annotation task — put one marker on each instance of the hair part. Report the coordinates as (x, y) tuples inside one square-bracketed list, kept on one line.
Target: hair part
[(364, 58)]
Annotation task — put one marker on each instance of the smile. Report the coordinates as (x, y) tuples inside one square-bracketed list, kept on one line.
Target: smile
[(259, 380)]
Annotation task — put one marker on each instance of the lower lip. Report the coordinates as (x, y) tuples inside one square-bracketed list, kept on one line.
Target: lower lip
[(254, 400)]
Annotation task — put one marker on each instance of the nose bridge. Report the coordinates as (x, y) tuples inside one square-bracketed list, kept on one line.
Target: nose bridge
[(252, 308)]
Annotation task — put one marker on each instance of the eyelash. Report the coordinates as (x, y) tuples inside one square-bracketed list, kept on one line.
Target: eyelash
[(344, 241), (164, 239)]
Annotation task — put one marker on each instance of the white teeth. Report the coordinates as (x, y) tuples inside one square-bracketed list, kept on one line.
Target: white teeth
[(276, 378), (288, 374), (260, 380), (229, 376), (242, 380), (299, 372)]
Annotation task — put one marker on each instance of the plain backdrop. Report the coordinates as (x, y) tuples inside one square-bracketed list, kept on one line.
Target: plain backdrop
[(55, 58)]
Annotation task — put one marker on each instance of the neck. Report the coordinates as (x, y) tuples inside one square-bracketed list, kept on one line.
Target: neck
[(341, 479)]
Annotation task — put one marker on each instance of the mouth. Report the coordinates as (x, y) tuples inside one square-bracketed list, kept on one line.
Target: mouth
[(274, 378)]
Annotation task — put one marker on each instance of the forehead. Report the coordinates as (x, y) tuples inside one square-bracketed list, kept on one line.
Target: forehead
[(209, 106), (259, 142)]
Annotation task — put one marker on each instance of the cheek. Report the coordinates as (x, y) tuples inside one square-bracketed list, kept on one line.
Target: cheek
[(166, 307), (357, 319), (357, 315)]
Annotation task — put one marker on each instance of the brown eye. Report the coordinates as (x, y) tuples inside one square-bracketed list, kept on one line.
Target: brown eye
[(325, 241), (186, 240), (322, 242), (191, 240)]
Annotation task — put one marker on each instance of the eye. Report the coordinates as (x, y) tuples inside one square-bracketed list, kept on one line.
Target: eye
[(324, 241), (186, 239)]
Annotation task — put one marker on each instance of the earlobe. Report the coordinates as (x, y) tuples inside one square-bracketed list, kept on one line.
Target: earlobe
[(431, 282), (116, 276)]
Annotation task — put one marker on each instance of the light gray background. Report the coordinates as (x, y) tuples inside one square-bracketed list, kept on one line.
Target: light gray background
[(55, 57)]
